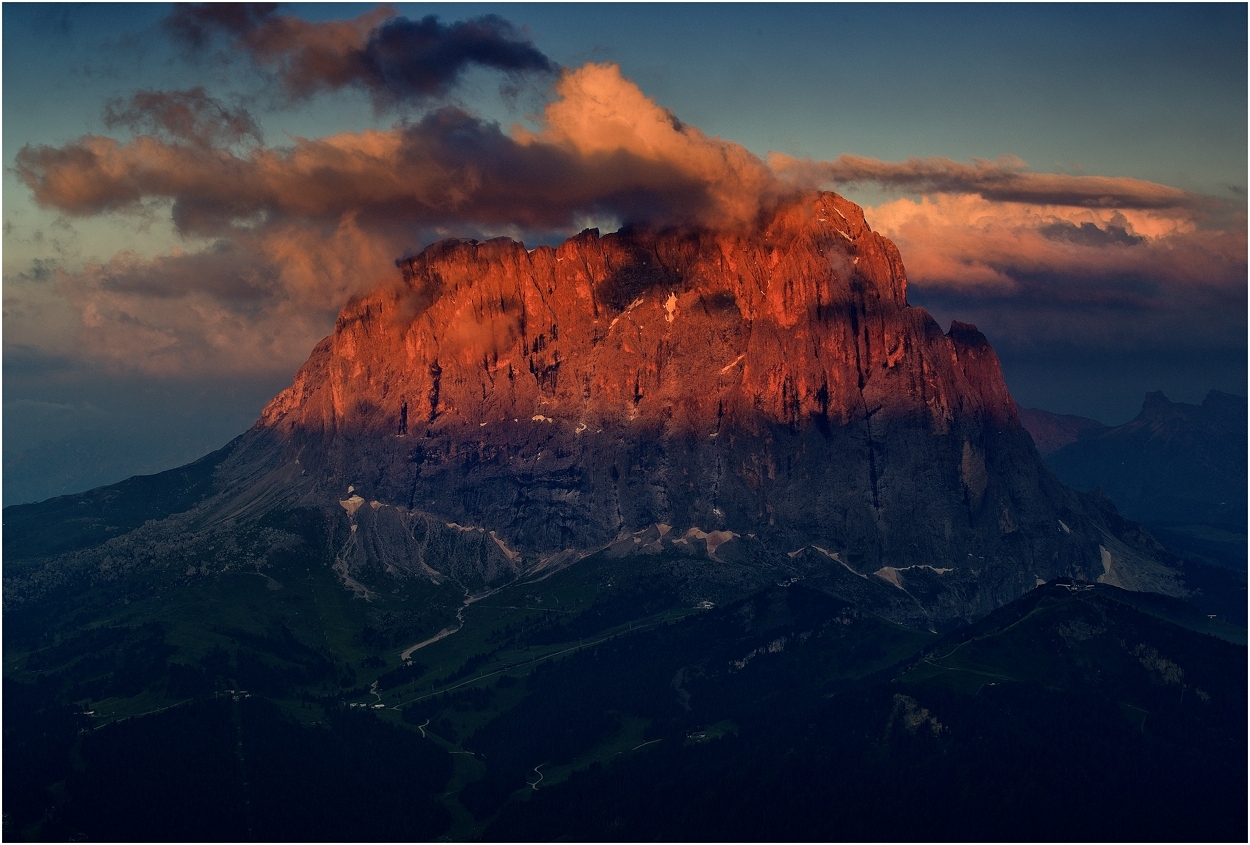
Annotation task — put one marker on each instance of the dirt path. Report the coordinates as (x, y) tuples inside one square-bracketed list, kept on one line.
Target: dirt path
[(447, 632), (443, 634)]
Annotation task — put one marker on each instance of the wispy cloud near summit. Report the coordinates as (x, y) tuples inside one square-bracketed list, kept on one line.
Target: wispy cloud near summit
[(1004, 180)]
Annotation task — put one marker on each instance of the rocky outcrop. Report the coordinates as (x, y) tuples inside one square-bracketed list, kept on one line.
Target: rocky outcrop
[(771, 382)]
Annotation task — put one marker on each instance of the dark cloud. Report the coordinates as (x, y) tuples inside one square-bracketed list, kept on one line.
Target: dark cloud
[(189, 115), (1089, 234), (1004, 180), (395, 59), (419, 59)]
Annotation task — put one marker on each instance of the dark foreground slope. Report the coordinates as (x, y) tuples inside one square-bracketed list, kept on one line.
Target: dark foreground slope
[(604, 707), (1067, 715)]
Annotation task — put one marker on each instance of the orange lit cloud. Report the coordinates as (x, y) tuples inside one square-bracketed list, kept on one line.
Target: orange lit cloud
[(1091, 278), (959, 241), (601, 115)]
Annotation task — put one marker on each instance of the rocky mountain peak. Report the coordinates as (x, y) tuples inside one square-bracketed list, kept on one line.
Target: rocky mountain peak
[(769, 384), (803, 317)]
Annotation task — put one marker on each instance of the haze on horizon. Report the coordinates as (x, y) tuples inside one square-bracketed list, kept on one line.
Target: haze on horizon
[(181, 225)]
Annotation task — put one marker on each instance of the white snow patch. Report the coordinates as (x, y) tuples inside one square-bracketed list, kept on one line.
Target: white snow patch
[(1064, 528), (352, 504), (735, 363), (670, 307), (540, 418)]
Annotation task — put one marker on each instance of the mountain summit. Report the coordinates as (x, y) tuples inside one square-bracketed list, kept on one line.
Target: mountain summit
[(765, 394)]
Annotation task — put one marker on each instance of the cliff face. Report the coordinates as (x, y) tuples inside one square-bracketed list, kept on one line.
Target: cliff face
[(773, 384), (804, 319)]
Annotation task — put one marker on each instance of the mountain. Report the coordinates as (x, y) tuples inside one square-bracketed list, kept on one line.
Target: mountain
[(1172, 464), (530, 516), (772, 384), (1051, 432), (763, 397)]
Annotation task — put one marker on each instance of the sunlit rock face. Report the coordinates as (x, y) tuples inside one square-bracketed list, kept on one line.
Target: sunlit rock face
[(771, 382)]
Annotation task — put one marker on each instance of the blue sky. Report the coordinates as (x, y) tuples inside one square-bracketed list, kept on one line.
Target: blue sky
[(1087, 310)]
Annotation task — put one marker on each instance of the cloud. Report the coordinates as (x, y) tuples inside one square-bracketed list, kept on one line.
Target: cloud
[(228, 309), (1050, 274), (190, 116), (394, 59), (605, 149), (1004, 180), (601, 115), (963, 241), (197, 23)]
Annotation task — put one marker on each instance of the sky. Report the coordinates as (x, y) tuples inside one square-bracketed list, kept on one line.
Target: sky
[(191, 193)]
